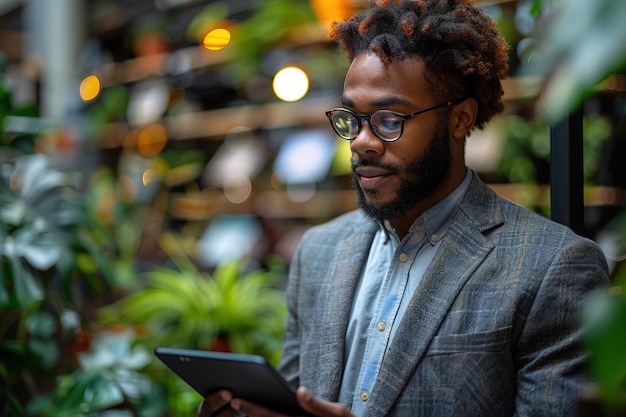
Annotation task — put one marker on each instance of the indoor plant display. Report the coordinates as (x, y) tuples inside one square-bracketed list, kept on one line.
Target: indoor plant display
[(48, 266), (231, 309)]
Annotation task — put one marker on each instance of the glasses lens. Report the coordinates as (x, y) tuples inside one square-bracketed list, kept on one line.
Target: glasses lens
[(387, 124), (345, 124)]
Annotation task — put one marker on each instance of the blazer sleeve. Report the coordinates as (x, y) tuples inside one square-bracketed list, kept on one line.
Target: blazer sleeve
[(290, 360), (549, 354)]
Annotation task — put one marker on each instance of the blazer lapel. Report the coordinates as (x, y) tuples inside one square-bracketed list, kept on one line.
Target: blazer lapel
[(463, 250), (346, 267)]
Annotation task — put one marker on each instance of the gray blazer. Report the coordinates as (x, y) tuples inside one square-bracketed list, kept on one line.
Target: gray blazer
[(492, 330)]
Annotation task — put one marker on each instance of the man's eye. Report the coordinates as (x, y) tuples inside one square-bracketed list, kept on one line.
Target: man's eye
[(388, 122)]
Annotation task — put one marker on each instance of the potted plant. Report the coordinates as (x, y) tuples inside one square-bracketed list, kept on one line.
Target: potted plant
[(229, 309), (182, 306)]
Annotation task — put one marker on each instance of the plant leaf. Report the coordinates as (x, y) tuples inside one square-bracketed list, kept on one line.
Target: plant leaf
[(27, 290)]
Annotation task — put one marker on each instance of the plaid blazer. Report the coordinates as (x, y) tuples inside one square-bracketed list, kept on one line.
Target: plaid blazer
[(492, 330)]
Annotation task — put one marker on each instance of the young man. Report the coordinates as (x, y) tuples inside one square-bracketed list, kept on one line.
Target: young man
[(437, 297)]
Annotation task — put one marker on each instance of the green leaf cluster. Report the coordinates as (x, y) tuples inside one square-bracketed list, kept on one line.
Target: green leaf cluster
[(111, 375), (605, 338), (185, 307), (582, 43)]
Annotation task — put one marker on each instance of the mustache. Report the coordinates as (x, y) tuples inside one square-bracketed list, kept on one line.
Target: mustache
[(374, 163)]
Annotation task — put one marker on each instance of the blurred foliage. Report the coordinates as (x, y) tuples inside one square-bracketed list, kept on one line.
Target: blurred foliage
[(110, 376), (269, 24), (184, 307), (581, 44), (55, 258), (526, 141), (605, 328)]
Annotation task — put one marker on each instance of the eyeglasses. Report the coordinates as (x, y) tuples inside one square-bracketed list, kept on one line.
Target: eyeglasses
[(387, 125)]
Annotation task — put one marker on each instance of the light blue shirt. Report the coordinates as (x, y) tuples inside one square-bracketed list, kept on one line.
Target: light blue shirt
[(391, 275)]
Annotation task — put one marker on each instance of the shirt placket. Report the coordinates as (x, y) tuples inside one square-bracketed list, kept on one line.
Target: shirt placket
[(385, 316)]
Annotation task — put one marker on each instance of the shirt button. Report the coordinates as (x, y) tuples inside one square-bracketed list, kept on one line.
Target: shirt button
[(364, 396), (403, 257), (381, 325)]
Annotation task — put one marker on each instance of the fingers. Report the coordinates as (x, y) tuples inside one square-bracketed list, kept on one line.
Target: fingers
[(245, 408), (216, 405), (222, 404), (319, 407)]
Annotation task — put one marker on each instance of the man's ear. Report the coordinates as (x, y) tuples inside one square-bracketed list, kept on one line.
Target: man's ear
[(462, 118)]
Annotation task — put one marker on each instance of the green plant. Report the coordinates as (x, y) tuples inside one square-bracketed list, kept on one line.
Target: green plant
[(41, 246), (111, 375), (230, 309), (52, 262), (185, 307), (527, 142), (573, 66), (269, 24), (604, 321)]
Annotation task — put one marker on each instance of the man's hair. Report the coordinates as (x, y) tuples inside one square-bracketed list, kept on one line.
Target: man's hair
[(463, 52)]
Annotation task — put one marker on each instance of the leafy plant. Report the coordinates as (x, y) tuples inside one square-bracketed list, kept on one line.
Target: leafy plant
[(185, 307), (573, 66), (51, 261), (111, 375), (527, 142)]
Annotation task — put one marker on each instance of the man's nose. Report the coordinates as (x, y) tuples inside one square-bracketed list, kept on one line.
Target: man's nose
[(366, 142)]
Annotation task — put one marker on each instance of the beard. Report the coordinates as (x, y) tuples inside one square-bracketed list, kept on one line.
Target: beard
[(418, 180)]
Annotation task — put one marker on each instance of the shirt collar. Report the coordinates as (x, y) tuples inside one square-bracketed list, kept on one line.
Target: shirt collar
[(435, 221)]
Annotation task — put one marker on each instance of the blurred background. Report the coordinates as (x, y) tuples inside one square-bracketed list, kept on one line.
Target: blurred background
[(159, 160)]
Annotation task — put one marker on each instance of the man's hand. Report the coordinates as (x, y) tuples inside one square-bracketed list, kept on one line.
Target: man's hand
[(222, 404), (218, 405)]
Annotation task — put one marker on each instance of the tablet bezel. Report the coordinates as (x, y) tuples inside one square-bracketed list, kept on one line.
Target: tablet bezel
[(249, 377)]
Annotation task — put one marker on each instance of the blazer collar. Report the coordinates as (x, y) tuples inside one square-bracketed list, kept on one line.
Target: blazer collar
[(460, 255)]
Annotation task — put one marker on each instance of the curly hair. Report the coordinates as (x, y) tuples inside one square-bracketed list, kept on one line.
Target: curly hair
[(463, 52)]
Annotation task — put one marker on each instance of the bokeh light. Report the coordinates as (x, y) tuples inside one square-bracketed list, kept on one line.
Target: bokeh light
[(152, 140), (216, 39), (237, 188), (90, 88), (290, 84), (149, 176)]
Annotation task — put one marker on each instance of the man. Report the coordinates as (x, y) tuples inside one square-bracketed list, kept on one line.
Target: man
[(437, 297)]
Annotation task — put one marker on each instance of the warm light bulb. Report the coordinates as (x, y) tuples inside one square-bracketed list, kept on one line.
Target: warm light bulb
[(90, 88), (290, 84), (216, 39), (152, 140)]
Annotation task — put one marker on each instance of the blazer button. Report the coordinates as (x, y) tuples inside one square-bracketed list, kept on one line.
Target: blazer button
[(364, 396)]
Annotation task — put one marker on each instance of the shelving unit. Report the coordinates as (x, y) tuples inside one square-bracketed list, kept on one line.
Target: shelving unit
[(212, 125)]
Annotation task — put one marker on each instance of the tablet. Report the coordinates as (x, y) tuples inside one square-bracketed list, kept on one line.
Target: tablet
[(249, 377)]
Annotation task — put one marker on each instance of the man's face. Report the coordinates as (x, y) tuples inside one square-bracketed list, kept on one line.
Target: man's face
[(396, 179)]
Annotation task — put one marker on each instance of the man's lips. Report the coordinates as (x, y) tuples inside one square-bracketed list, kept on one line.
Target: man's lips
[(371, 177), (372, 172)]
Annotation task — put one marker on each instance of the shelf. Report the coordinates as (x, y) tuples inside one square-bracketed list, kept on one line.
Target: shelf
[(267, 204), (325, 204), (214, 124)]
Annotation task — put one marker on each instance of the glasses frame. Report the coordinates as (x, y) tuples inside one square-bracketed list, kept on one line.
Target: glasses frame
[(368, 117)]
